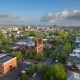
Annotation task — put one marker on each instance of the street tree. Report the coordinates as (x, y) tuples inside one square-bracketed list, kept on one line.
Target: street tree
[(23, 77), (18, 54), (55, 72), (39, 56)]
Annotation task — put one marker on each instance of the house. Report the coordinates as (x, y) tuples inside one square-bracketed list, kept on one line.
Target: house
[(76, 52), (77, 40), (7, 63), (28, 45), (73, 75), (73, 59)]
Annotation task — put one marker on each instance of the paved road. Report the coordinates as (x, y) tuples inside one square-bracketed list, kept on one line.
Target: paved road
[(37, 77)]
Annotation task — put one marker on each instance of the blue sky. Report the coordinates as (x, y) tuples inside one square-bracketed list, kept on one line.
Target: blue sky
[(31, 11)]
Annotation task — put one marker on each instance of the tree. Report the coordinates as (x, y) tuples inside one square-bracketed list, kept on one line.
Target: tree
[(18, 54), (39, 56), (67, 47), (41, 68), (19, 78), (62, 57), (13, 36), (63, 34), (30, 54), (2, 36), (23, 77), (46, 34), (31, 70), (33, 33), (4, 42), (55, 72), (54, 56)]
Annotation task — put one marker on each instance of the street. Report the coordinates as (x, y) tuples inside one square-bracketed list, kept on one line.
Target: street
[(37, 77)]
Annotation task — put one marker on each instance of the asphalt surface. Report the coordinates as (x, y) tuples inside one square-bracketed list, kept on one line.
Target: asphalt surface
[(37, 77)]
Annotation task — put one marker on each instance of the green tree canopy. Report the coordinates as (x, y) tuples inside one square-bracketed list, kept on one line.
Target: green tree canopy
[(67, 47), (31, 70), (39, 56), (2, 36), (23, 77), (55, 72), (18, 54)]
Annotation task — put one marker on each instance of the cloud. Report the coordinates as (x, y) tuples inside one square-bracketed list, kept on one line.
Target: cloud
[(62, 16), (8, 17), (17, 17), (3, 16)]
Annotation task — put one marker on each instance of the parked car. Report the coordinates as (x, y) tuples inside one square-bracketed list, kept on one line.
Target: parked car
[(23, 71), (34, 75)]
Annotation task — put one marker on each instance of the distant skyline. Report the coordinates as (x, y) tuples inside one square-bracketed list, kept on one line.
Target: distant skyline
[(43, 12)]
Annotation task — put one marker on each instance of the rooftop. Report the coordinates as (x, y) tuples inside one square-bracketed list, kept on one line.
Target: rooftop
[(75, 55), (76, 50), (74, 59), (5, 58), (26, 43), (2, 54)]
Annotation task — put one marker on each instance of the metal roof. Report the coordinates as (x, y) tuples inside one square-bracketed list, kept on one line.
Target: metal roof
[(26, 43), (5, 58), (2, 54)]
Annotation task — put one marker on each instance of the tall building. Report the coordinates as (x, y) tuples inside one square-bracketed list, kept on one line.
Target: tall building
[(39, 45)]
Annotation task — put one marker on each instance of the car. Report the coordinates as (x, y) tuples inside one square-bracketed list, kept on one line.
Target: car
[(34, 75), (23, 71), (56, 61), (28, 63)]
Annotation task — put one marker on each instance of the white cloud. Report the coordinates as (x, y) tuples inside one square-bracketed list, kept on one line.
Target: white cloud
[(8, 16), (71, 17), (60, 18)]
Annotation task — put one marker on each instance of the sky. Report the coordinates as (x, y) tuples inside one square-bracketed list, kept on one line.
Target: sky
[(51, 12)]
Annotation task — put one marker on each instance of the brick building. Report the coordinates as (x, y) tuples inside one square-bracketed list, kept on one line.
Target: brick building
[(7, 63), (28, 45), (38, 45)]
